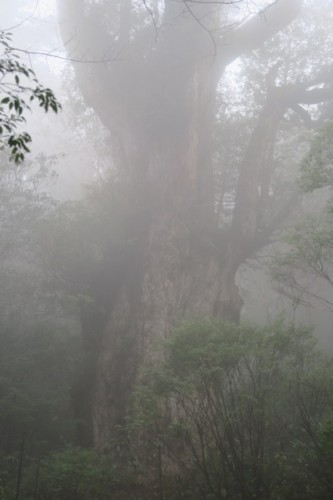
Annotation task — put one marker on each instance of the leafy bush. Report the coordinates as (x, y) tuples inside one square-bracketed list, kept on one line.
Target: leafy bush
[(37, 366), (238, 412), (80, 474), (77, 474)]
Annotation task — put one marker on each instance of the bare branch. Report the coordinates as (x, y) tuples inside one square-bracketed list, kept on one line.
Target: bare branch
[(66, 58), (196, 18)]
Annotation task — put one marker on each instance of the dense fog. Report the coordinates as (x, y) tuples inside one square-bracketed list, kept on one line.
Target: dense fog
[(166, 251)]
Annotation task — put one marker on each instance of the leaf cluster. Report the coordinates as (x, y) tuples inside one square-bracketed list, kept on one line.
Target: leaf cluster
[(19, 87)]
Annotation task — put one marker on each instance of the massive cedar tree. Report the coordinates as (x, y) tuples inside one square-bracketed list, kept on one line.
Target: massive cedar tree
[(151, 71)]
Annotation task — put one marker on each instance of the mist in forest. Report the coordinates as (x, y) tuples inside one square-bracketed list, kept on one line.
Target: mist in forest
[(166, 252)]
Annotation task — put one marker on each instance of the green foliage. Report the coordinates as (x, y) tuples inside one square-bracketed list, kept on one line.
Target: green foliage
[(326, 438), (308, 257), (77, 474), (303, 270), (8, 472), (317, 166), (23, 207), (308, 260), (237, 412), (38, 364), (36, 372), (19, 86)]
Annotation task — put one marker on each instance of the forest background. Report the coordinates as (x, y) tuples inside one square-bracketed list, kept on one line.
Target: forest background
[(190, 167)]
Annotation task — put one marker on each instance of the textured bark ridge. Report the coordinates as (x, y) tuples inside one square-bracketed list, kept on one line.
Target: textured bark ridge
[(158, 102)]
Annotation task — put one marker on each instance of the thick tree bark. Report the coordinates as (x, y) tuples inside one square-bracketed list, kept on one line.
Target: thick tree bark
[(159, 105)]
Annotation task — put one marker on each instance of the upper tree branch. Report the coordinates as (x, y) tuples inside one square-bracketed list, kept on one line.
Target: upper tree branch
[(245, 217), (305, 116), (252, 34)]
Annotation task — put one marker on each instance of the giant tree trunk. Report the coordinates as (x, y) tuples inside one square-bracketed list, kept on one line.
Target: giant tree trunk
[(159, 103)]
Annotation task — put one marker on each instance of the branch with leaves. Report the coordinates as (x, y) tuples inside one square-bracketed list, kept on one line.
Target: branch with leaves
[(19, 87), (308, 260)]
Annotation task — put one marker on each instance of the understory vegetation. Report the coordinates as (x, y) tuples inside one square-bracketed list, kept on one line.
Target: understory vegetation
[(233, 411)]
